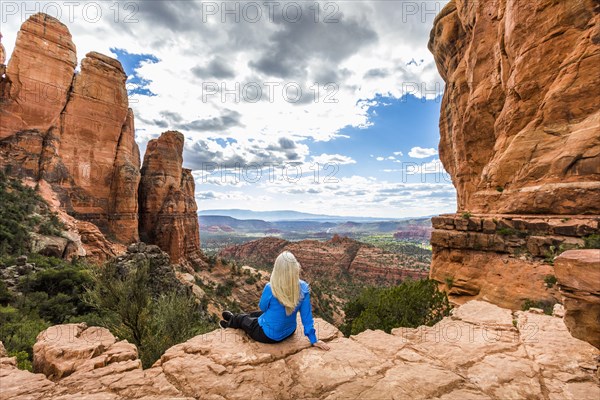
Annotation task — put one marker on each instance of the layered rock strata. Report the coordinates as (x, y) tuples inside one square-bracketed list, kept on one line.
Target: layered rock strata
[(73, 130), (504, 259), (481, 352), (519, 137)]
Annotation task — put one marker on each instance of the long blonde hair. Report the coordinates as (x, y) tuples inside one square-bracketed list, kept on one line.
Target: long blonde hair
[(285, 281)]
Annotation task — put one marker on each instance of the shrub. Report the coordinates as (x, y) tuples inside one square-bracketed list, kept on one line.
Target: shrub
[(466, 215), (23, 361), (545, 305), (592, 241), (410, 304), (128, 308), (550, 280)]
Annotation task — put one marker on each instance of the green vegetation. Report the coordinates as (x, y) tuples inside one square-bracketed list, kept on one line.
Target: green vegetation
[(550, 280), (505, 231), (449, 282), (415, 250), (44, 291), (467, 215), (545, 305), (23, 211), (499, 189), (409, 304), (129, 309), (552, 253), (592, 241)]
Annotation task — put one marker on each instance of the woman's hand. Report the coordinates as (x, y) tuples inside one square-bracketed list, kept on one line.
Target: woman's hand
[(321, 345)]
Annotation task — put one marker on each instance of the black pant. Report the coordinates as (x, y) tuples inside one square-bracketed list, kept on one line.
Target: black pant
[(249, 324)]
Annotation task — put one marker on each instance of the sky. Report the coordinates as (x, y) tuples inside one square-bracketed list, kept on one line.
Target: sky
[(325, 107)]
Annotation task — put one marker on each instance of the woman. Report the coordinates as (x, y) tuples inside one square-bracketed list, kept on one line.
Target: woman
[(281, 299)]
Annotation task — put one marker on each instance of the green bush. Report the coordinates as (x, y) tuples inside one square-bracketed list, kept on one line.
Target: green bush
[(592, 241), (409, 304), (550, 280), (130, 311), (58, 291), (23, 360), (18, 330), (545, 305)]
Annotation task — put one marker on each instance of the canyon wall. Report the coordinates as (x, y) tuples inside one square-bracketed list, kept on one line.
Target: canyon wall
[(520, 138), (75, 131)]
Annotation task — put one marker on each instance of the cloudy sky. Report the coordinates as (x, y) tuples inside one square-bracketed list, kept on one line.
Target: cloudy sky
[(322, 107)]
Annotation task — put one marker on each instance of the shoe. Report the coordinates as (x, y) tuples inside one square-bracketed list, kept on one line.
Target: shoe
[(224, 324), (227, 315)]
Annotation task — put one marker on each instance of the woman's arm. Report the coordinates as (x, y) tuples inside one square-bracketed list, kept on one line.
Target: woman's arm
[(263, 304), (307, 318)]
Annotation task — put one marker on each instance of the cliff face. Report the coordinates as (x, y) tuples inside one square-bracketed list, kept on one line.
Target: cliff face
[(76, 132), (168, 211), (519, 118), (519, 136), (481, 352), (73, 130)]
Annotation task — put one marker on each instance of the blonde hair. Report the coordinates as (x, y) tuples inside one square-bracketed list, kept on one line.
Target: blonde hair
[(285, 281)]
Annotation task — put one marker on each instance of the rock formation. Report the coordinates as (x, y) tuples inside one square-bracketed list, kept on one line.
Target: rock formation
[(76, 132), (578, 274), (519, 136), (481, 352), (519, 121), (168, 211), (73, 130)]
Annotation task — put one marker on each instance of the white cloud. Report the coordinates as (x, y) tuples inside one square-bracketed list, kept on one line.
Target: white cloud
[(380, 158), (333, 159), (420, 152), (398, 153)]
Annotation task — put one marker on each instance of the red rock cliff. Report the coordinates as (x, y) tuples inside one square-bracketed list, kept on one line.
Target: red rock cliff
[(168, 211), (519, 130), (76, 132), (519, 118)]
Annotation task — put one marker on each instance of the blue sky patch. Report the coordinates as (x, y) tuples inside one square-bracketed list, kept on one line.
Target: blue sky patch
[(136, 85)]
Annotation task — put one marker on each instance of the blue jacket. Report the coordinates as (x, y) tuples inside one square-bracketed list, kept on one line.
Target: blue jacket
[(274, 321)]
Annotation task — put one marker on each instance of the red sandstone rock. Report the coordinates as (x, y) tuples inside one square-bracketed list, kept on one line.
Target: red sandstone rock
[(578, 274), (480, 352), (519, 135), (73, 130), (519, 119), (38, 76), (168, 211)]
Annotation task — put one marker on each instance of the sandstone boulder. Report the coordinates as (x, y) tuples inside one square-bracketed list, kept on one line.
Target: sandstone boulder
[(578, 274)]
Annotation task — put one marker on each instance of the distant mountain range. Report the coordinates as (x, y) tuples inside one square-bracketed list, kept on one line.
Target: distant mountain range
[(289, 215), (226, 224)]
